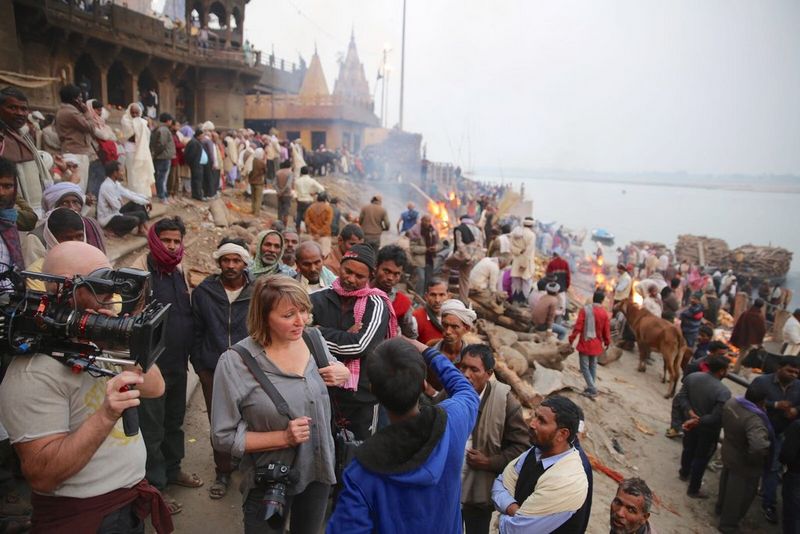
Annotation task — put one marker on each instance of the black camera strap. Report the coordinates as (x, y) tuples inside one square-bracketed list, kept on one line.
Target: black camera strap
[(261, 377)]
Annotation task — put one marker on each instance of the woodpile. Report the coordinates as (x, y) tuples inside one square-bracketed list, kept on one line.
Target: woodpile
[(531, 364), (510, 316), (762, 262), (702, 250)]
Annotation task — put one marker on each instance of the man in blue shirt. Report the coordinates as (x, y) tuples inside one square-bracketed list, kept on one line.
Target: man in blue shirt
[(406, 478), (544, 490), (407, 219)]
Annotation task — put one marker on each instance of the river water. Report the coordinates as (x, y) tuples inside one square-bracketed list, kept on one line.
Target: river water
[(660, 213)]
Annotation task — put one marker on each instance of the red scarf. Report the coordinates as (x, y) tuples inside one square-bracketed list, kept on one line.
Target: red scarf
[(164, 260), (360, 307)]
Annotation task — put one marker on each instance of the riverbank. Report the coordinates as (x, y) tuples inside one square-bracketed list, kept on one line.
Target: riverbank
[(625, 425)]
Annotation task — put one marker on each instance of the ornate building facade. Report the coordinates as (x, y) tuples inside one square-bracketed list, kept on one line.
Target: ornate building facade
[(314, 114), (118, 54)]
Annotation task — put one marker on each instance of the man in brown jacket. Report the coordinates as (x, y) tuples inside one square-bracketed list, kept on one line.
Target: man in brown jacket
[(745, 447), (75, 128), (318, 219), (499, 436), (374, 220)]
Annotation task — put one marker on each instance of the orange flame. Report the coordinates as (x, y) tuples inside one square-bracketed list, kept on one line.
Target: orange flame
[(440, 216)]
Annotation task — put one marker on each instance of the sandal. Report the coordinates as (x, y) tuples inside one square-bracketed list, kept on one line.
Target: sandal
[(187, 480), (220, 486), (174, 506)]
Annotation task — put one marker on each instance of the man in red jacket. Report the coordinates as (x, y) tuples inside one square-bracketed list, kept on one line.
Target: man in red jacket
[(594, 328), (392, 261), (429, 317)]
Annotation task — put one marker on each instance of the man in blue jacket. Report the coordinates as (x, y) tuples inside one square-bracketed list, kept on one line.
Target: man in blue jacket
[(407, 477)]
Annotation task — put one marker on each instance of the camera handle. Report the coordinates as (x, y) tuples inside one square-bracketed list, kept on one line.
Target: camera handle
[(130, 417)]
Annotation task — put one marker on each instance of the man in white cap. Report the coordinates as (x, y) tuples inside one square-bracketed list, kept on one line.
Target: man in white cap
[(457, 320), (219, 310)]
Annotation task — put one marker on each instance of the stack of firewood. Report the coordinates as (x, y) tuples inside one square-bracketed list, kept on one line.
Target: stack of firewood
[(763, 262), (702, 250)]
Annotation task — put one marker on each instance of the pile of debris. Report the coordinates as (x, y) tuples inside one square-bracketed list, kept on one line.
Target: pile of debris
[(762, 262), (532, 364), (702, 250)]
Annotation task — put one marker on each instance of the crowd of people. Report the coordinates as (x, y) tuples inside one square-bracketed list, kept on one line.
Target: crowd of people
[(311, 351)]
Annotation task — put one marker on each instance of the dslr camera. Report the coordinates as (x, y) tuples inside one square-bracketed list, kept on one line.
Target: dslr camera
[(273, 479)]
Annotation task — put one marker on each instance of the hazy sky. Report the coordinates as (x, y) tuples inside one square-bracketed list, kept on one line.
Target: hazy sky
[(709, 86)]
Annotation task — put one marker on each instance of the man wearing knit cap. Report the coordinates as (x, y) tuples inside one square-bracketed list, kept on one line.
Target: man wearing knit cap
[(354, 318), (543, 314), (219, 310)]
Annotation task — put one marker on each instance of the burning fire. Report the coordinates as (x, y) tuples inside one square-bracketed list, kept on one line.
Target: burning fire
[(440, 216), (600, 279)]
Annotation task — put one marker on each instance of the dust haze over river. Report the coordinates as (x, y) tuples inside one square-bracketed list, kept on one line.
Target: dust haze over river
[(634, 211)]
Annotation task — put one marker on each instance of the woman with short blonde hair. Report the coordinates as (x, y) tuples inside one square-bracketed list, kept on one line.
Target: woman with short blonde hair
[(246, 423)]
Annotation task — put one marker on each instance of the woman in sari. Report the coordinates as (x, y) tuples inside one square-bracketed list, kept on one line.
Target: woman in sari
[(138, 161)]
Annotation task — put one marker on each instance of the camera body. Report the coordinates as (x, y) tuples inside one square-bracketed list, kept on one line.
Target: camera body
[(273, 478), (273, 473)]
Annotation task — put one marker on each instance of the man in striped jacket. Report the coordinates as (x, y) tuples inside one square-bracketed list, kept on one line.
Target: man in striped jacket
[(354, 318)]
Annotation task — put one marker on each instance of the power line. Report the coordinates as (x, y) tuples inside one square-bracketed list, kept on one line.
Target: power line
[(312, 21)]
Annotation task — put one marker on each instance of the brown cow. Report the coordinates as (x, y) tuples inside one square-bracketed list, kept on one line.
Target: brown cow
[(655, 333)]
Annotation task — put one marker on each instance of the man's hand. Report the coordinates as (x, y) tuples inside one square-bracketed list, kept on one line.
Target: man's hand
[(335, 374), (691, 424), (355, 328), (512, 509), (417, 344), (298, 431), (117, 401), (477, 460), (783, 405)]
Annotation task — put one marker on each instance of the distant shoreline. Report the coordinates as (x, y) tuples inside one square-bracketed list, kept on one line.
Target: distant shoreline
[(726, 186)]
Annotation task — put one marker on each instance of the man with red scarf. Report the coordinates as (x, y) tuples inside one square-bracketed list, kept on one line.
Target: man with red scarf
[(161, 418), (354, 318)]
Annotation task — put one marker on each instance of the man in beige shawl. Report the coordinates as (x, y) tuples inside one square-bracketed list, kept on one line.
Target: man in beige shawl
[(545, 488), (138, 160)]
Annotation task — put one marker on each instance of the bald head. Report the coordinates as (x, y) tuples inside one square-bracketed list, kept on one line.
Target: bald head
[(74, 257), (307, 249)]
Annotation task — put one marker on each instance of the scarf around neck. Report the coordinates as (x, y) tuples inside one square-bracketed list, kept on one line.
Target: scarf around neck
[(588, 323), (261, 268), (10, 236), (753, 408), (361, 296), (164, 260)]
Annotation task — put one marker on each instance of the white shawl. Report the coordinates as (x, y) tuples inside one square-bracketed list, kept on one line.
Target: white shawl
[(141, 173)]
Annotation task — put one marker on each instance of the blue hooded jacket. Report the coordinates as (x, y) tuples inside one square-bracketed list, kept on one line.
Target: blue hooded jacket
[(407, 477)]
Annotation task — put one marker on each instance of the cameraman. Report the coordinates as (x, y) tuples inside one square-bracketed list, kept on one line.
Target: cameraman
[(86, 475)]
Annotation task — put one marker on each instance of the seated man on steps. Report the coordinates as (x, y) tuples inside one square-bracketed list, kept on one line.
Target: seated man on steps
[(112, 214)]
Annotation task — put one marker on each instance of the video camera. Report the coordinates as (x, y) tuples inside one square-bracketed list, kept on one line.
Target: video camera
[(35, 322)]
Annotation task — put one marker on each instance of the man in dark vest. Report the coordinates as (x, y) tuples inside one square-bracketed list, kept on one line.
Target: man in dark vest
[(545, 488)]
